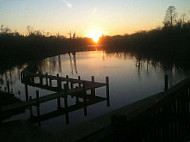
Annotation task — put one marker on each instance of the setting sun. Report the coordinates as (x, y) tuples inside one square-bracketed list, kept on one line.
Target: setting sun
[(95, 35)]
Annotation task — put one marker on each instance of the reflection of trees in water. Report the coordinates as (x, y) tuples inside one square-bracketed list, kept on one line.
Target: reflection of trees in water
[(146, 64), (11, 75), (50, 65), (74, 61), (54, 64)]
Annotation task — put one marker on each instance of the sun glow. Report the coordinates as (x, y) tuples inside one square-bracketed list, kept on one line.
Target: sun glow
[(95, 35)]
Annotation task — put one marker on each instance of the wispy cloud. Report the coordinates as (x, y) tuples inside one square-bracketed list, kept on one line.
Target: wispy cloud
[(69, 5), (94, 11)]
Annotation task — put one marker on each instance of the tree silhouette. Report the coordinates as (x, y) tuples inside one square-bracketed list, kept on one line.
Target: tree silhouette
[(170, 17)]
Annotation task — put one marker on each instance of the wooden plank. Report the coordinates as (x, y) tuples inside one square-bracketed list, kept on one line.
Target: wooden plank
[(63, 111), (32, 102)]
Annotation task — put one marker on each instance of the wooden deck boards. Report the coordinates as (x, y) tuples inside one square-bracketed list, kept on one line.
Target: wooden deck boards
[(62, 111)]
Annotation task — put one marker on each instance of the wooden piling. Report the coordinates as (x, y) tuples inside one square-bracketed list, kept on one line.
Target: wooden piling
[(31, 112), (46, 78), (0, 114), (38, 106), (50, 82), (166, 82), (41, 79), (26, 91), (12, 91), (8, 87), (19, 93), (107, 91), (58, 82), (79, 83), (66, 106), (93, 90), (67, 80)]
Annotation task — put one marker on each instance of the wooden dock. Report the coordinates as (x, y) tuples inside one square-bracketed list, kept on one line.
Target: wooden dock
[(63, 87)]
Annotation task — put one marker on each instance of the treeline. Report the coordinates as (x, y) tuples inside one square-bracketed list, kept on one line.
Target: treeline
[(170, 42), (36, 44), (16, 48)]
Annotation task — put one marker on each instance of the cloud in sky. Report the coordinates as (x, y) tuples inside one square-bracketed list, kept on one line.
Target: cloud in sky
[(94, 11), (69, 5)]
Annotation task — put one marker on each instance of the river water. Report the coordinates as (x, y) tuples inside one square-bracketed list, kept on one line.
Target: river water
[(131, 78)]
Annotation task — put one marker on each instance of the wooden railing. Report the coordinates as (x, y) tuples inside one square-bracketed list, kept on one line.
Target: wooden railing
[(165, 118)]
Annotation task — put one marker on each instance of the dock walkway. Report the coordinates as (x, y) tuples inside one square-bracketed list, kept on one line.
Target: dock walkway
[(63, 87)]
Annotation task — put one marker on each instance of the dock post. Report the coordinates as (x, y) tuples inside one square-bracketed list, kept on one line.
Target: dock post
[(50, 82), (19, 93), (41, 79), (8, 87), (32, 78), (38, 106), (31, 112), (107, 91), (93, 90), (58, 82), (79, 82), (58, 98), (166, 82), (26, 91), (84, 99), (46, 78), (12, 91), (66, 105), (67, 77), (58, 103), (0, 115), (85, 107)]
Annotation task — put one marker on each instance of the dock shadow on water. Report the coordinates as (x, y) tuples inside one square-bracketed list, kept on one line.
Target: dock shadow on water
[(55, 95)]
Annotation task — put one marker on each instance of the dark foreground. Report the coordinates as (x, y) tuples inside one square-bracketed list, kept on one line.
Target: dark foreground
[(162, 117)]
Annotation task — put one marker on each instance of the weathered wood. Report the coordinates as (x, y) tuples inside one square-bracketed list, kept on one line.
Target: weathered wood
[(8, 87), (26, 91), (31, 111), (38, 107), (166, 82), (46, 79), (107, 91), (92, 90)]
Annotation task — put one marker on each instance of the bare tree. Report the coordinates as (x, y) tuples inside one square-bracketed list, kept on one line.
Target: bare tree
[(183, 17), (170, 17)]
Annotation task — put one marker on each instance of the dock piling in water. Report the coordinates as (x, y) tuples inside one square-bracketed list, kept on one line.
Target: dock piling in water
[(31, 112), (93, 90), (8, 87), (46, 78), (107, 91), (38, 106), (166, 82), (26, 91)]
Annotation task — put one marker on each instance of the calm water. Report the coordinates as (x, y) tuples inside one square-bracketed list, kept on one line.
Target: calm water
[(131, 79)]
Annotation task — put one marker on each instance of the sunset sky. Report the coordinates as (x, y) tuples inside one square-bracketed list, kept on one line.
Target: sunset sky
[(111, 17)]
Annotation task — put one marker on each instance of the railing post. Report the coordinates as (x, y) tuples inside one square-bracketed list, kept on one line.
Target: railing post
[(166, 82)]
